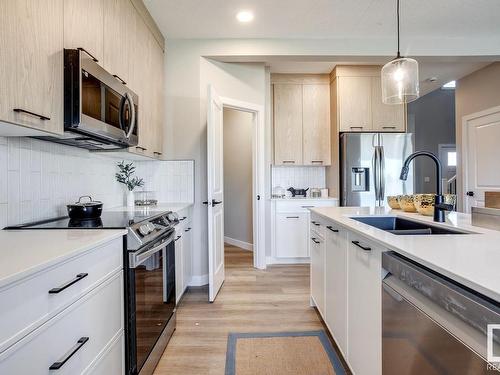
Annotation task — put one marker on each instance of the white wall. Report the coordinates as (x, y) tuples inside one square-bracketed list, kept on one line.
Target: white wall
[(38, 179), (188, 74), (238, 176)]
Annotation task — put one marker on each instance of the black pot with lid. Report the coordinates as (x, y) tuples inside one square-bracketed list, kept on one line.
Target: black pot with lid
[(85, 210)]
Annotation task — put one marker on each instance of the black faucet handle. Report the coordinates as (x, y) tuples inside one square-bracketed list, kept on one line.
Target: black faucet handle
[(445, 206)]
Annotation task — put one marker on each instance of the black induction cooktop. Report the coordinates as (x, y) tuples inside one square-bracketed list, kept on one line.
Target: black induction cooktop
[(108, 220)]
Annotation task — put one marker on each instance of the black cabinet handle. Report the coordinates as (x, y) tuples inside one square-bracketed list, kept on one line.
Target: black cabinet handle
[(119, 79), (215, 203), (365, 248), (315, 240), (59, 289), (388, 127), (177, 238), (307, 206), (88, 53), (157, 153), (57, 365), (141, 148), (292, 217), (288, 161), (470, 193), (317, 224), (187, 229), (183, 218), (41, 117), (356, 127), (331, 228), (317, 161)]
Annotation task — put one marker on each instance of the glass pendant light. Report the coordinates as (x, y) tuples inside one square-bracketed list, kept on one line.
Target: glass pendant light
[(400, 78)]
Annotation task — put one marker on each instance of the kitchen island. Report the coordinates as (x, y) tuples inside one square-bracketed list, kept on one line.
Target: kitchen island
[(347, 270)]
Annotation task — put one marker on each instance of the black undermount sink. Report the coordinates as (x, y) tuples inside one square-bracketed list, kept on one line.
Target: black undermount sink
[(399, 226)]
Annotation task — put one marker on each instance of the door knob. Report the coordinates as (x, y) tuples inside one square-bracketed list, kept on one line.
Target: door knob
[(470, 193)]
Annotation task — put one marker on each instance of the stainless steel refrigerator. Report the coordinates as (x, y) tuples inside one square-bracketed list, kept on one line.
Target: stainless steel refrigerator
[(370, 166)]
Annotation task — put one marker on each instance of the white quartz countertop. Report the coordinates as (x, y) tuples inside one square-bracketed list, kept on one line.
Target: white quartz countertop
[(160, 207), (24, 252), (470, 259)]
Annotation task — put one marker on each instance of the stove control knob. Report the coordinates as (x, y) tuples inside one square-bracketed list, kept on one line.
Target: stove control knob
[(151, 227), (144, 230)]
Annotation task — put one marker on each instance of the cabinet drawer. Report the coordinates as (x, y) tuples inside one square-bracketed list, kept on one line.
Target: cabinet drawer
[(97, 316), (28, 303), (291, 235), (303, 205), (112, 360)]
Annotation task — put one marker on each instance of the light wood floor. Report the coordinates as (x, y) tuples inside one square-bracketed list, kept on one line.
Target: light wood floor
[(250, 300)]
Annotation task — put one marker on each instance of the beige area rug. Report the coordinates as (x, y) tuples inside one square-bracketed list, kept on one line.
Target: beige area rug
[(290, 353)]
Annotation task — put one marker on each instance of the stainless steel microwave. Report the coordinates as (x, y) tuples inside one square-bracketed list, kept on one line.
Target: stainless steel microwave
[(100, 111)]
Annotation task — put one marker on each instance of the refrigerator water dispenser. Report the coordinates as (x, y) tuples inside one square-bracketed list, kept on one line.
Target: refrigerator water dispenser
[(360, 179)]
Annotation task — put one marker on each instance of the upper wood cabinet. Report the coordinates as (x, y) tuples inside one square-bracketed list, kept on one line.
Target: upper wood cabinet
[(287, 124), (359, 102), (386, 117), (316, 124), (119, 38), (301, 117), (84, 26), (354, 97), (31, 64)]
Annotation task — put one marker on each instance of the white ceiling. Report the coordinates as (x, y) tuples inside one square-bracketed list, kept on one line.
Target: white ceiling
[(326, 18)]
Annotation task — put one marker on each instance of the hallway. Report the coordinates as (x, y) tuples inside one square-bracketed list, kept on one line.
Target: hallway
[(250, 300)]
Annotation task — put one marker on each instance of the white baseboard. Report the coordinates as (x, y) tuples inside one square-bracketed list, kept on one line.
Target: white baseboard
[(241, 244), (273, 260), (199, 280)]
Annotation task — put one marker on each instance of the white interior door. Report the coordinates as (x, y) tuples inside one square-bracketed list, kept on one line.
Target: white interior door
[(481, 156), (215, 194)]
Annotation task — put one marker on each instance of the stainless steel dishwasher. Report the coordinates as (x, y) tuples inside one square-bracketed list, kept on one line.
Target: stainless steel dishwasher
[(432, 325)]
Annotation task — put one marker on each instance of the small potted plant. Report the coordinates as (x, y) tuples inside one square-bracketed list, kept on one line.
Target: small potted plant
[(125, 176)]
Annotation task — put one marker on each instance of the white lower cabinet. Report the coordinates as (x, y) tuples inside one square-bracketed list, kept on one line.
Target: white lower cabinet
[(291, 235), (183, 250), (364, 328), (291, 226), (318, 271), (336, 284), (85, 328), (346, 282)]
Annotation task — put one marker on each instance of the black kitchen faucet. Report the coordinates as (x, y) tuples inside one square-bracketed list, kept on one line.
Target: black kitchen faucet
[(439, 206)]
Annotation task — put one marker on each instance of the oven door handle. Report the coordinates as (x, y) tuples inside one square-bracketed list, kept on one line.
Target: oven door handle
[(136, 259), (132, 114)]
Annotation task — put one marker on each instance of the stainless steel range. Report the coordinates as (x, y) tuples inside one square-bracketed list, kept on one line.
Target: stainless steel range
[(149, 269)]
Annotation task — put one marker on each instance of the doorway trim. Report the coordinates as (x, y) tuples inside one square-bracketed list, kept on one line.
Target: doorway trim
[(258, 175), (463, 159)]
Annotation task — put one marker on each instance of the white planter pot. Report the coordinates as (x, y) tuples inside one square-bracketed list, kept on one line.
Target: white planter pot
[(130, 199)]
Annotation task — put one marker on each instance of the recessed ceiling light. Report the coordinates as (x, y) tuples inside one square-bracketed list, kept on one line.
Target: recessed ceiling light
[(244, 16)]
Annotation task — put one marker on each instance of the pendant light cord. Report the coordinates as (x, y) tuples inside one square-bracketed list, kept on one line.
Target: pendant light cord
[(397, 12)]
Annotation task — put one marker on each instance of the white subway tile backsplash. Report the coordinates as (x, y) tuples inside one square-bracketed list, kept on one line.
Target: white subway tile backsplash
[(298, 177), (38, 179)]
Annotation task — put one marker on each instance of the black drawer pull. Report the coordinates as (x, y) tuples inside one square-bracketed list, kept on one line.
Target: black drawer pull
[(157, 153), (119, 79), (307, 206), (315, 240), (59, 289), (177, 238), (333, 230), (187, 229), (365, 248), (292, 217), (57, 365), (141, 148), (317, 161), (183, 218), (88, 53), (388, 127), (317, 224), (288, 161), (41, 117)]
